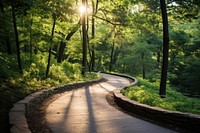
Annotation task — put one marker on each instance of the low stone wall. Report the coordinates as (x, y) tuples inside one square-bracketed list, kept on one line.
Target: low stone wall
[(17, 114), (188, 122), (133, 79)]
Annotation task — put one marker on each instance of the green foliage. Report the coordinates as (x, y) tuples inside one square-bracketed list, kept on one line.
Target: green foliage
[(147, 92), (184, 57), (15, 86), (8, 66), (191, 78), (129, 30)]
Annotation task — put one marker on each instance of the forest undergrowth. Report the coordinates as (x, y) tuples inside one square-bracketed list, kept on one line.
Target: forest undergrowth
[(147, 93), (15, 86)]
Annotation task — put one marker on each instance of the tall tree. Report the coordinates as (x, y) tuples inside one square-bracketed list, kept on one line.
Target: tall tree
[(94, 11), (1, 6), (84, 32), (162, 91), (30, 41), (63, 44), (51, 41), (5, 28), (16, 36)]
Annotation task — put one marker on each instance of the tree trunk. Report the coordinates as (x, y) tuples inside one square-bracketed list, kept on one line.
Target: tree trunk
[(93, 36), (89, 52), (51, 41), (162, 91), (30, 39), (89, 62), (63, 44), (55, 51), (143, 67), (49, 62), (16, 37), (111, 57), (84, 44), (8, 46), (1, 6), (61, 51), (90, 55), (93, 59)]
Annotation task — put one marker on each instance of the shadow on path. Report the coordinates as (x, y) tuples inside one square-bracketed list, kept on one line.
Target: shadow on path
[(65, 117), (85, 110), (92, 123)]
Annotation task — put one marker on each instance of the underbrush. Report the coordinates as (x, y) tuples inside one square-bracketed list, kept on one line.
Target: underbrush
[(14, 86), (148, 93)]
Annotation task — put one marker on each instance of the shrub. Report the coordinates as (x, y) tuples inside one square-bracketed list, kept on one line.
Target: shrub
[(57, 73), (147, 93)]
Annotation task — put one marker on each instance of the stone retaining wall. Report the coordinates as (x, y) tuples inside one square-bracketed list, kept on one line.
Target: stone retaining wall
[(17, 114), (190, 122), (186, 121), (133, 79)]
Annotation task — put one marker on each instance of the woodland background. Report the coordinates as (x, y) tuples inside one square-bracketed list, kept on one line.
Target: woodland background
[(41, 44)]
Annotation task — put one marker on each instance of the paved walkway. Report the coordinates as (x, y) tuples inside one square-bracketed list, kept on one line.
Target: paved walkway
[(86, 110)]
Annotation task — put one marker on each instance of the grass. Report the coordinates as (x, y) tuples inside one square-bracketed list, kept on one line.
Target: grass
[(148, 93)]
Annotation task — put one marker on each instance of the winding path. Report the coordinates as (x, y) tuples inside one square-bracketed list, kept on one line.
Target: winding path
[(86, 110)]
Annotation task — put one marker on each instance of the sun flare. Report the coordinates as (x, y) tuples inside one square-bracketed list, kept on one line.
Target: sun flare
[(82, 9)]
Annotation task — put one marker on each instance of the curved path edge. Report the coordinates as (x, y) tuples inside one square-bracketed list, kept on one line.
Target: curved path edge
[(186, 121), (18, 121), (133, 79), (17, 114)]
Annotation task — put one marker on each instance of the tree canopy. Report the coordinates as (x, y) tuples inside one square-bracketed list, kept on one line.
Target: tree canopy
[(122, 36), (41, 41)]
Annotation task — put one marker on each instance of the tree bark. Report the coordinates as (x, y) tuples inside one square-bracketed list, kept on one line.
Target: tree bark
[(162, 91), (8, 45), (93, 34), (84, 44), (1, 6), (63, 44), (31, 45), (111, 57), (61, 51), (16, 37), (51, 41), (143, 67), (93, 59), (90, 54)]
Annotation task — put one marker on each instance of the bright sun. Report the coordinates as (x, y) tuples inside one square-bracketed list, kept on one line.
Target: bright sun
[(82, 9)]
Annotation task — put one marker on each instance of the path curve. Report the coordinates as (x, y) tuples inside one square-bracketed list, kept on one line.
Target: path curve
[(85, 110)]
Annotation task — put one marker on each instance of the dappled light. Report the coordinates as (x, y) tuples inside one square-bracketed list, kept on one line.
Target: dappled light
[(86, 110), (48, 43)]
